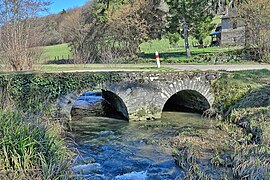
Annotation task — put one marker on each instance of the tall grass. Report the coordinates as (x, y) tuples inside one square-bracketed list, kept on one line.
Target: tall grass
[(28, 150)]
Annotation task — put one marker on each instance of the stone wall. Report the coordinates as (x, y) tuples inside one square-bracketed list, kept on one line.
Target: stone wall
[(233, 29), (231, 36)]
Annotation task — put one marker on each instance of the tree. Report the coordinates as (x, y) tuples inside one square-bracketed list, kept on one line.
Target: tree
[(74, 30), (222, 6), (173, 38), (18, 33), (256, 17), (113, 30), (187, 14), (201, 27)]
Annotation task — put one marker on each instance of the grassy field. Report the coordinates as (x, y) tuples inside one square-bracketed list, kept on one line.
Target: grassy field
[(53, 52), (177, 53), (148, 49)]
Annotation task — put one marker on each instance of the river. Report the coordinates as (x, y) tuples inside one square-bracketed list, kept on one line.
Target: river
[(115, 149)]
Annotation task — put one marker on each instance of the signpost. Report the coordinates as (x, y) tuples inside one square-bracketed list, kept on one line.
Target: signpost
[(157, 58)]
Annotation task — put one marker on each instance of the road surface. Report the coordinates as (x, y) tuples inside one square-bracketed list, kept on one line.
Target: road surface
[(236, 67)]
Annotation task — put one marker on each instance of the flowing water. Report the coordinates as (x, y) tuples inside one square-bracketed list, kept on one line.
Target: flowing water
[(116, 149)]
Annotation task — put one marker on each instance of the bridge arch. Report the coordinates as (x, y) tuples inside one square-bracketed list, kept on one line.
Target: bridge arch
[(116, 102), (194, 87), (65, 103), (187, 101)]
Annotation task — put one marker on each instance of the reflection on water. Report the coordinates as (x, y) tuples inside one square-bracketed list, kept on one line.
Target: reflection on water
[(115, 149)]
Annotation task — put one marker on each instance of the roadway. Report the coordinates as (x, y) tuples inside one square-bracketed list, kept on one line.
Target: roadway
[(234, 67)]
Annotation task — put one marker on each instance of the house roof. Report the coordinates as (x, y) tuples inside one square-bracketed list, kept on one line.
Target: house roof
[(215, 33)]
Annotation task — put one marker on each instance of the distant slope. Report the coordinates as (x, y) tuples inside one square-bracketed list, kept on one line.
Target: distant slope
[(53, 52)]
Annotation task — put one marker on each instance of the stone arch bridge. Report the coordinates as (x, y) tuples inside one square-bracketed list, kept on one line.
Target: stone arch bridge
[(144, 95)]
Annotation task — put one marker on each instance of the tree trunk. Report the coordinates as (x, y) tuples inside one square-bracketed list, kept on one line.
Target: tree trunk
[(201, 43), (186, 37)]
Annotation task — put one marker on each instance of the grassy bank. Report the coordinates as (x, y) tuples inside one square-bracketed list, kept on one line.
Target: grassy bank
[(242, 111), (32, 142), (31, 149)]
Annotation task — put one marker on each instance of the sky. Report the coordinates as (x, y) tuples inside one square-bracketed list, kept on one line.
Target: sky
[(59, 5)]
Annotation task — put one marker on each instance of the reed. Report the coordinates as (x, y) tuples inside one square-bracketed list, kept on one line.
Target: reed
[(30, 150)]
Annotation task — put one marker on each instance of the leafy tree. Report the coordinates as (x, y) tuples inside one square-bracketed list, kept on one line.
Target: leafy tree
[(187, 14), (173, 38), (201, 27)]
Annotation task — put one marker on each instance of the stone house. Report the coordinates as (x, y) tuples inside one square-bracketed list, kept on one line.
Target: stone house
[(233, 29)]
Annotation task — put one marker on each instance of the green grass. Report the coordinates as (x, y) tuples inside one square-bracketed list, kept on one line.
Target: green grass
[(29, 150), (53, 52), (167, 52), (178, 54)]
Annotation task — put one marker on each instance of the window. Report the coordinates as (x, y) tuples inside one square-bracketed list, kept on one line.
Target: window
[(234, 25)]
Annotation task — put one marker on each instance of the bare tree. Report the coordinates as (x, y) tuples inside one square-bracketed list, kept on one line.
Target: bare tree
[(110, 57), (18, 35), (74, 30), (103, 33), (256, 16)]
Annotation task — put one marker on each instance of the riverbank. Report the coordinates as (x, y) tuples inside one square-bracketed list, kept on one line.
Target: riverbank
[(242, 111), (32, 148)]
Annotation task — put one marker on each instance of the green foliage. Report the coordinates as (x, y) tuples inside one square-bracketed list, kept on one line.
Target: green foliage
[(30, 150), (197, 16), (32, 92), (242, 89), (228, 92), (202, 27), (173, 38), (101, 8)]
